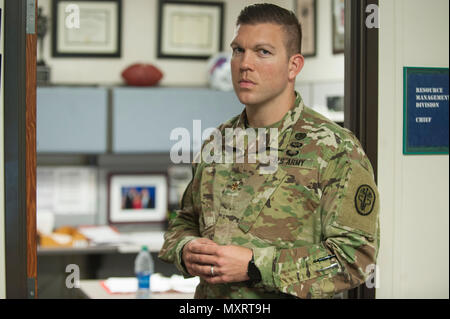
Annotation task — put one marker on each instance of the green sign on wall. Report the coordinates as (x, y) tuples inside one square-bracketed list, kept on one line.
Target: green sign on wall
[(425, 119)]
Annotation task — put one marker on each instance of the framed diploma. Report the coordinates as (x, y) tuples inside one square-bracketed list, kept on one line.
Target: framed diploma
[(189, 30), (306, 14), (83, 28), (338, 21)]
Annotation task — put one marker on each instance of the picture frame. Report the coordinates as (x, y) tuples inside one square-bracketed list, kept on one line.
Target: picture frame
[(137, 198), (306, 11), (84, 28), (190, 30), (338, 26), (328, 98)]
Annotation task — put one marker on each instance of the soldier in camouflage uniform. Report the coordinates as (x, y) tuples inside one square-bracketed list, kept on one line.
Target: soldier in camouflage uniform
[(309, 229)]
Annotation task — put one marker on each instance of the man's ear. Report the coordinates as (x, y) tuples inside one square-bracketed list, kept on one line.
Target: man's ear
[(296, 63)]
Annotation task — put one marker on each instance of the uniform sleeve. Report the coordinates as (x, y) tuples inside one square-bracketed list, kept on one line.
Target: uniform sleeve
[(182, 229), (347, 254)]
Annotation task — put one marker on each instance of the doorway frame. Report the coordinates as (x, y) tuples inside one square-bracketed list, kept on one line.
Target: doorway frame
[(361, 117), (361, 91), (20, 148), (14, 152)]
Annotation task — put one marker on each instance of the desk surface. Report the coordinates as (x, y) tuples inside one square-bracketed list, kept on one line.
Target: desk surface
[(125, 242), (93, 290), (56, 251)]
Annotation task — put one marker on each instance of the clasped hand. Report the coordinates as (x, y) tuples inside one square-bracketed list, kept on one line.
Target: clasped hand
[(230, 262)]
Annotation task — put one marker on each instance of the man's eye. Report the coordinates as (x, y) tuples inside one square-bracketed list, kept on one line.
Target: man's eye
[(264, 52), (238, 50)]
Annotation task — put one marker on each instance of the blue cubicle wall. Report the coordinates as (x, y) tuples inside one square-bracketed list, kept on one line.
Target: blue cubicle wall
[(143, 118), (71, 120)]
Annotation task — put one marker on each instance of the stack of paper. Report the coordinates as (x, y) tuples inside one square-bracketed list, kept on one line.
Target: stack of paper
[(178, 283), (101, 234), (120, 285), (158, 283), (153, 240)]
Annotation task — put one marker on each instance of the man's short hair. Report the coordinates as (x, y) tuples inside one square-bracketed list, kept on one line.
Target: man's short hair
[(270, 13)]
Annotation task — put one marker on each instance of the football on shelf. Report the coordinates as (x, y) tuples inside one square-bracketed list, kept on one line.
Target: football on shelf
[(140, 74)]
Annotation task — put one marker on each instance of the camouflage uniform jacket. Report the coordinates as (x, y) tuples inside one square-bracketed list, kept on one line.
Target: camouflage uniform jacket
[(312, 225)]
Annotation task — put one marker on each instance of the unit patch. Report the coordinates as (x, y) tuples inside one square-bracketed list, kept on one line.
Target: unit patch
[(360, 204), (364, 200)]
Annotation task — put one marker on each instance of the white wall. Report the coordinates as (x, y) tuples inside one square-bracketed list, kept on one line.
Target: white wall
[(139, 36), (139, 44), (325, 66), (323, 74), (2, 170), (414, 258)]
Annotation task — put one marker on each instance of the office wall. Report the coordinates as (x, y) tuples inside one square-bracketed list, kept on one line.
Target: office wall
[(414, 259), (325, 66), (2, 168), (139, 44)]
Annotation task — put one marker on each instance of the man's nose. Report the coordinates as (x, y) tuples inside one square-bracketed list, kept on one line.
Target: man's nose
[(246, 61)]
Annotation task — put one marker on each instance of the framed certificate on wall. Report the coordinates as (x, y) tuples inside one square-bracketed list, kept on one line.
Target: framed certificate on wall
[(84, 28), (307, 16), (189, 30), (338, 22)]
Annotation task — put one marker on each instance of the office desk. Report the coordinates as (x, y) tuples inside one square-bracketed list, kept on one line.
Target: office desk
[(91, 289), (94, 263)]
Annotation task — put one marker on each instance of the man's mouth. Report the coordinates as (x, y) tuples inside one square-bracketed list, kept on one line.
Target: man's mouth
[(246, 83)]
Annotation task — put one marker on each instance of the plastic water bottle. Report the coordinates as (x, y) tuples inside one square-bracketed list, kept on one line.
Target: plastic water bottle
[(143, 268)]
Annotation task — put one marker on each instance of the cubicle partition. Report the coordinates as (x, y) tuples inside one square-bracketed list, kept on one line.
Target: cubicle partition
[(111, 130)]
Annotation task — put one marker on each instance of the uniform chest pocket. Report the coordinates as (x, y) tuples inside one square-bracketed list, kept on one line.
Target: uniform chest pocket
[(263, 187), (290, 214)]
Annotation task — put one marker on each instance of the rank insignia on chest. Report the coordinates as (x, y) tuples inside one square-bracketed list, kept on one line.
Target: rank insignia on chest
[(234, 186)]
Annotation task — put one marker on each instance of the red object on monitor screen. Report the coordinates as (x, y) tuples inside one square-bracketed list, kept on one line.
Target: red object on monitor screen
[(142, 75)]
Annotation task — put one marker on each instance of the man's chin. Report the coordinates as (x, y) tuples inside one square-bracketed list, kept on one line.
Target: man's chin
[(247, 98)]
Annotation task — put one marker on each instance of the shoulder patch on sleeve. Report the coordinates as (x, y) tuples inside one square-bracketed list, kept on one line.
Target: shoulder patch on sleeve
[(365, 200), (360, 205)]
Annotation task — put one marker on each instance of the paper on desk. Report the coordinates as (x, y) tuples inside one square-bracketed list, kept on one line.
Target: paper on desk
[(101, 234), (153, 240), (158, 283), (45, 222), (178, 283), (115, 285)]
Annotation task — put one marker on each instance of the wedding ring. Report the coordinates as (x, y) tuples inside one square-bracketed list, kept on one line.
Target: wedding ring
[(212, 271)]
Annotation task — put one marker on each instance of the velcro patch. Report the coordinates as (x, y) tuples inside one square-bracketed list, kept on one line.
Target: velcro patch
[(360, 205), (365, 200)]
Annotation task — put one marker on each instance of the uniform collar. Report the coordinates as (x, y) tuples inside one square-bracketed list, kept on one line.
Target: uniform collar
[(287, 123)]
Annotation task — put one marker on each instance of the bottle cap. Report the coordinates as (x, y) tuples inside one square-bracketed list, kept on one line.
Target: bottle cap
[(144, 247)]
